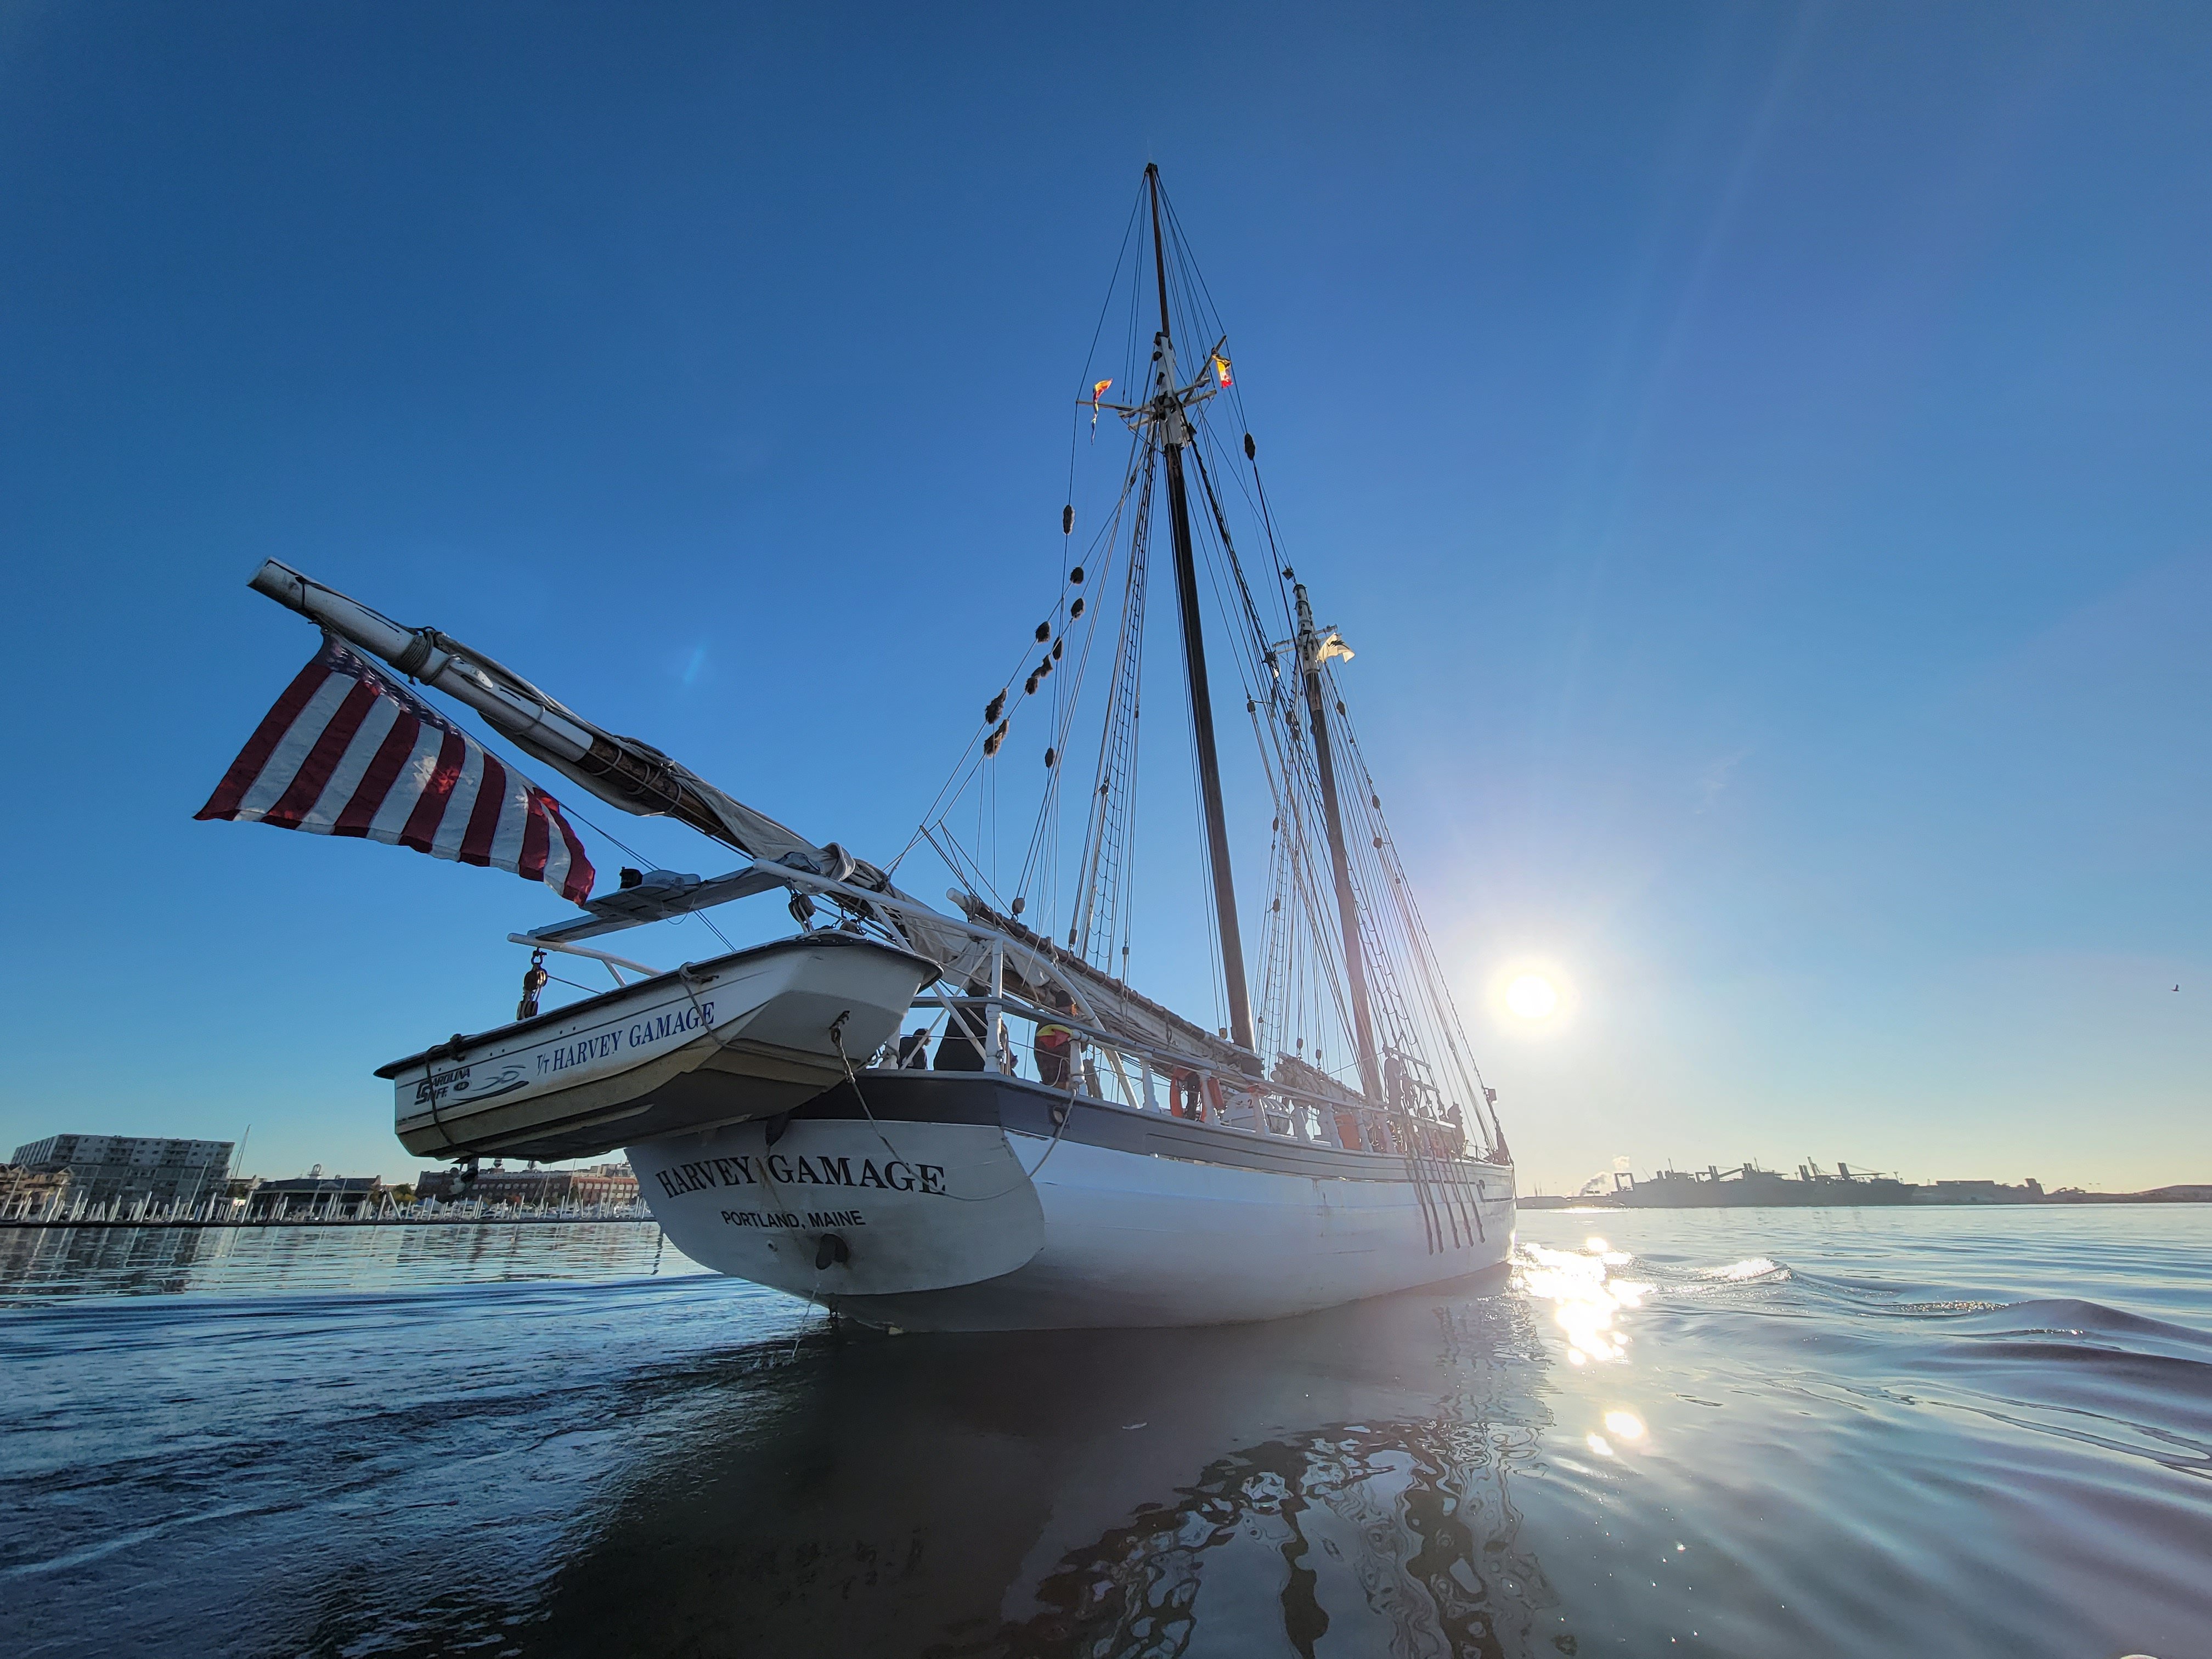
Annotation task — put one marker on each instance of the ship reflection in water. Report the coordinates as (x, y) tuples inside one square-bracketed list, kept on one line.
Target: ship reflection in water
[(1098, 1493), (1912, 1432)]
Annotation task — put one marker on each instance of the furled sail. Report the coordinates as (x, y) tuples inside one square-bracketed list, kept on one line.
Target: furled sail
[(623, 772), (348, 750)]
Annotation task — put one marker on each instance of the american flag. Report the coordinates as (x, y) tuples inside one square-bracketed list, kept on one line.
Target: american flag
[(350, 752)]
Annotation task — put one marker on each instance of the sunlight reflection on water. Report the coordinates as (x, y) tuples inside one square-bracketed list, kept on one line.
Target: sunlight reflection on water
[(1585, 1297), (1755, 1266)]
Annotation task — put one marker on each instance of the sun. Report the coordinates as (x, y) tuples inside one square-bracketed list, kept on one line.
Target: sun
[(1532, 997)]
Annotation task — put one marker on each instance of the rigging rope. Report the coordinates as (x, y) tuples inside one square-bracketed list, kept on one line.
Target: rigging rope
[(1302, 1001)]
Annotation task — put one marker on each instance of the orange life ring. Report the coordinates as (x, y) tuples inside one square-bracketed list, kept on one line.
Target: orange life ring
[(1182, 1093)]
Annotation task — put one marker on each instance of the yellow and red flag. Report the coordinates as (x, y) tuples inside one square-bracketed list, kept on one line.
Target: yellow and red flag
[(1221, 370), (1098, 392)]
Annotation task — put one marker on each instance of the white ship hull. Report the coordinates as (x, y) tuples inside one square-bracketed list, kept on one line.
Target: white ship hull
[(748, 1035), (961, 1204)]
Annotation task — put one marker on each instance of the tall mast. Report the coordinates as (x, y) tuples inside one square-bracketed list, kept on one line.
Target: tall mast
[(1173, 430), (1310, 648)]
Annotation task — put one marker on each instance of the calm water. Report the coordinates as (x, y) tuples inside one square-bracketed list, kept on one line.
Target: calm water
[(1942, 1432)]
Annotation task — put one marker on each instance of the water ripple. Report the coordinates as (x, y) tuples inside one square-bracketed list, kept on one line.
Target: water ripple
[(1749, 1435)]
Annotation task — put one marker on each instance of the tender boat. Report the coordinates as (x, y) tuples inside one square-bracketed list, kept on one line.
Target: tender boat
[(1047, 1147), (747, 1035)]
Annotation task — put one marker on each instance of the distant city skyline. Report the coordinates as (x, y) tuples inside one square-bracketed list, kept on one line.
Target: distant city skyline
[(1757, 454)]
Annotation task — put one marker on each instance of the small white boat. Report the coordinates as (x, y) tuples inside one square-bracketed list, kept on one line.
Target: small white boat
[(1080, 1155), (743, 1035)]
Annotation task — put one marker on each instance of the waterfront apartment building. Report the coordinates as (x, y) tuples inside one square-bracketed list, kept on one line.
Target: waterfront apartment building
[(602, 1183), (104, 1168)]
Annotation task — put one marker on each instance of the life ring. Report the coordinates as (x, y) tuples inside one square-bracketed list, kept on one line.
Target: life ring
[(1182, 1094)]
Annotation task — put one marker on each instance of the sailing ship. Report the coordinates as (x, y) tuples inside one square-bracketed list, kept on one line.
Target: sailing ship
[(1047, 1147), (1747, 1186)]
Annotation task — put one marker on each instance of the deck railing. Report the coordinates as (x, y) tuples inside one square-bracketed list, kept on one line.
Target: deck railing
[(1113, 1069)]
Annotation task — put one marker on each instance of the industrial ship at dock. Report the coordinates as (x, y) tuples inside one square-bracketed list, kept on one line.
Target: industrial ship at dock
[(1748, 1187)]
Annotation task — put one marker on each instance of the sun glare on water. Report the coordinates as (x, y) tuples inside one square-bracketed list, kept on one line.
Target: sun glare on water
[(1531, 996)]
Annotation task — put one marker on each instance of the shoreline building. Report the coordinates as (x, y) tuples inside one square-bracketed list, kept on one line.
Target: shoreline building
[(329, 1198), (26, 1194), (2030, 1191), (602, 1183), (111, 1169)]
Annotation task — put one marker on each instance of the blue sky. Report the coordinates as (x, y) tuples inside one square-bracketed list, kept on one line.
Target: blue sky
[(1757, 451)]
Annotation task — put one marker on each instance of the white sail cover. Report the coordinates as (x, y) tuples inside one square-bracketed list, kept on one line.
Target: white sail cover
[(625, 772), (348, 750)]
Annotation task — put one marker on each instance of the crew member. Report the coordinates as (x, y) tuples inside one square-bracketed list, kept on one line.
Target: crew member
[(961, 1048), (1055, 1045)]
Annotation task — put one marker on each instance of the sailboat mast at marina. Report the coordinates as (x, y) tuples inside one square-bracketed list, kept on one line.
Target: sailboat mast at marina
[(1044, 1144)]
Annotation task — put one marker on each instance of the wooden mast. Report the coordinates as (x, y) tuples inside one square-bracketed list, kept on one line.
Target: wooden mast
[(1347, 907), (1173, 430)]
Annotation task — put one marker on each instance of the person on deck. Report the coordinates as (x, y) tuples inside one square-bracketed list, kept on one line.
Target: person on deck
[(1055, 1045), (961, 1048)]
